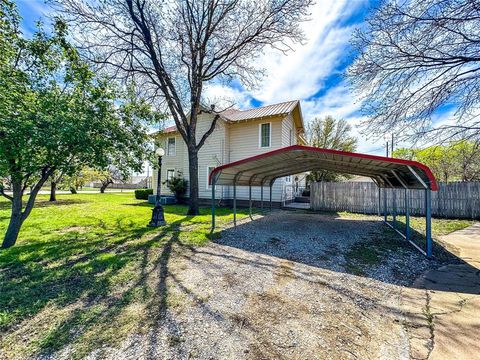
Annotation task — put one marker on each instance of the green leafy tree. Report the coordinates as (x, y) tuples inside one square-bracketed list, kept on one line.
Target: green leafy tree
[(56, 116), (329, 133), (456, 161)]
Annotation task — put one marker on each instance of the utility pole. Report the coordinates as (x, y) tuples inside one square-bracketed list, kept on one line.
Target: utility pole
[(391, 153), (386, 148)]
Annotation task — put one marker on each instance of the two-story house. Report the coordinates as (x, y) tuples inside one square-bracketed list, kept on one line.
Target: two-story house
[(238, 134)]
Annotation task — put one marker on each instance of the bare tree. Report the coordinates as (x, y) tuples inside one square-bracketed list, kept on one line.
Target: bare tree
[(329, 133), (173, 48), (417, 58)]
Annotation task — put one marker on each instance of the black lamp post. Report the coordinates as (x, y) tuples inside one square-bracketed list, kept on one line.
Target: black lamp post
[(158, 218)]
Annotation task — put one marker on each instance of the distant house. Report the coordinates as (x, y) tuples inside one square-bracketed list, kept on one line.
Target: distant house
[(238, 134)]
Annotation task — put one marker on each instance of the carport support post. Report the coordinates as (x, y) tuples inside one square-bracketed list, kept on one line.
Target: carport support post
[(270, 197), (234, 203), (407, 215), (213, 202), (261, 196), (379, 201), (385, 204), (394, 208), (250, 200), (428, 221)]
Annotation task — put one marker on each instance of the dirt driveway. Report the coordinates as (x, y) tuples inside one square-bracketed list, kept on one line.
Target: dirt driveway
[(291, 285)]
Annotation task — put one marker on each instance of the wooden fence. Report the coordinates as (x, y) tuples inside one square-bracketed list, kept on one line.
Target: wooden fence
[(454, 200)]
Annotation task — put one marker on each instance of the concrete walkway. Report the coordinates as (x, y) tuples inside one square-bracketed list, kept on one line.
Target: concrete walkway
[(443, 307)]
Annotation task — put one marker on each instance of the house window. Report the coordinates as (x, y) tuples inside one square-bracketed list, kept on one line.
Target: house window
[(171, 146), (288, 179), (209, 170), (170, 175), (265, 135)]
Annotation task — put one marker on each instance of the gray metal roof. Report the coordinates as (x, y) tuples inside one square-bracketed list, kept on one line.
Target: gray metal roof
[(233, 115), (265, 168), (260, 112)]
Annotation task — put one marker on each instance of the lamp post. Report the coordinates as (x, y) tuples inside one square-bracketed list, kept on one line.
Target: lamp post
[(158, 218)]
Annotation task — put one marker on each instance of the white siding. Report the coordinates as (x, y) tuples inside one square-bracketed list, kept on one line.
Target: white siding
[(213, 153), (229, 142), (288, 133), (171, 162), (244, 142)]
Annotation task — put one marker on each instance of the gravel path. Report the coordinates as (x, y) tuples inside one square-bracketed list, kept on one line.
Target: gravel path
[(279, 288)]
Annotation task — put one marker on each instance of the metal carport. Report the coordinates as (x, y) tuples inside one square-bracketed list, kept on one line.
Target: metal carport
[(262, 170)]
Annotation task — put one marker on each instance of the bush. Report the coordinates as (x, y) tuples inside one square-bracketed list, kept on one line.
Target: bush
[(142, 194), (178, 186), (306, 192)]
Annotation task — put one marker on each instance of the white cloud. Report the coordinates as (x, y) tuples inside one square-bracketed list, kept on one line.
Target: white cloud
[(224, 96), (301, 73)]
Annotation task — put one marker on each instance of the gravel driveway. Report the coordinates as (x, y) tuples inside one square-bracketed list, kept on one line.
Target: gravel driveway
[(282, 287)]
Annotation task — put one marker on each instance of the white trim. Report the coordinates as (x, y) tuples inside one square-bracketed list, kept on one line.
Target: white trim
[(260, 136), (175, 147), (207, 186)]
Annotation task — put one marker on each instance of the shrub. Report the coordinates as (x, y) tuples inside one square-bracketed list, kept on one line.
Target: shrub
[(178, 186), (306, 192), (142, 194)]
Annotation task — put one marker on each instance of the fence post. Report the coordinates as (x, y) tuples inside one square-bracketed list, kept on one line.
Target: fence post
[(407, 215)]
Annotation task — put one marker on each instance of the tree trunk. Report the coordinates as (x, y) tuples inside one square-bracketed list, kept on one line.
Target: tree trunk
[(53, 191), (105, 185), (193, 208), (73, 190), (16, 217), (19, 213), (16, 221)]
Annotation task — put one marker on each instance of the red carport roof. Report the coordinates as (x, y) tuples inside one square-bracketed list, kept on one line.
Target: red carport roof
[(263, 169)]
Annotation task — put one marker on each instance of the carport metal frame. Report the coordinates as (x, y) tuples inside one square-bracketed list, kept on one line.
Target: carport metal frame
[(379, 180)]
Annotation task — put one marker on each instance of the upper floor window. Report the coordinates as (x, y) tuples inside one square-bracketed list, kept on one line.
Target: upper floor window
[(171, 146), (265, 135)]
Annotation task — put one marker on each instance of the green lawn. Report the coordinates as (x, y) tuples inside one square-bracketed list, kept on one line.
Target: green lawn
[(83, 270)]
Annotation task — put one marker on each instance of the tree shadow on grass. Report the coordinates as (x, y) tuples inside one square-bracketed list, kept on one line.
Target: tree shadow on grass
[(86, 286)]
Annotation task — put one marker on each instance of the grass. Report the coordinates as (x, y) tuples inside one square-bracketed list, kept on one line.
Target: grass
[(86, 271), (368, 254)]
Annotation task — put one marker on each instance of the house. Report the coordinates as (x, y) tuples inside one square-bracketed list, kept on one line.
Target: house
[(238, 134)]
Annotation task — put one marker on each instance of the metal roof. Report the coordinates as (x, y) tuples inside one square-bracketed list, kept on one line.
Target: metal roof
[(233, 115), (263, 169), (261, 112)]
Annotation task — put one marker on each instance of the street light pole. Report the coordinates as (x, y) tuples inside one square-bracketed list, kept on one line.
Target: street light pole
[(158, 218)]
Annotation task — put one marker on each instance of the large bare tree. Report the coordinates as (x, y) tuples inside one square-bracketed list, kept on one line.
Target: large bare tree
[(173, 48), (417, 59)]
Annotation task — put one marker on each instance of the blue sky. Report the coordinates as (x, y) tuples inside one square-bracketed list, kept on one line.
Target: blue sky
[(312, 73)]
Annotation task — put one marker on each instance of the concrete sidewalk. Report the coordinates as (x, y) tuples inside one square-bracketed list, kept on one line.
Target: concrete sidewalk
[(443, 306)]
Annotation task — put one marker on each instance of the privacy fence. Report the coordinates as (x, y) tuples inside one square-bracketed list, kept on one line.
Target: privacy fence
[(454, 200)]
